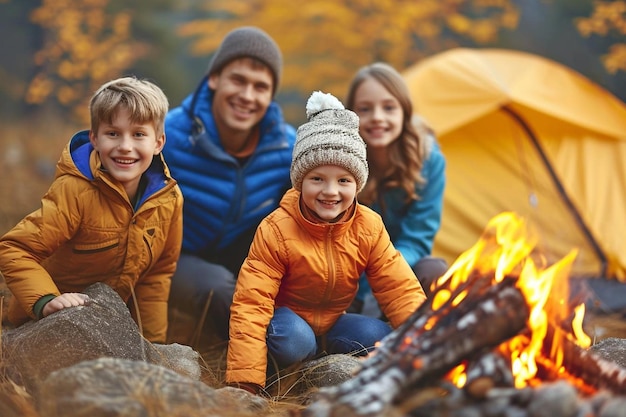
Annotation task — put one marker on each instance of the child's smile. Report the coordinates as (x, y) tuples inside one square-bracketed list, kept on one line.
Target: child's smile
[(328, 190)]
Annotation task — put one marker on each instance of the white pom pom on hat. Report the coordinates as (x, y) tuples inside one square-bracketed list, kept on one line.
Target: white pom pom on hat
[(330, 137), (321, 101)]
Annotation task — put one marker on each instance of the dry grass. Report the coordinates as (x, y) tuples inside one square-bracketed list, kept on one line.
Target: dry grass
[(15, 401), (188, 330)]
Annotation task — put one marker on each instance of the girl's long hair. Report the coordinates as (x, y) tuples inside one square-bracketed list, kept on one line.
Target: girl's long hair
[(407, 153)]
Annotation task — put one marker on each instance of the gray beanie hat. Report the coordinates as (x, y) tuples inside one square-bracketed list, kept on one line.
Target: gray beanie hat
[(331, 137), (248, 41)]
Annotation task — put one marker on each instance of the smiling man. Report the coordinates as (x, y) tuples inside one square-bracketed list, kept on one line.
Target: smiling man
[(230, 150)]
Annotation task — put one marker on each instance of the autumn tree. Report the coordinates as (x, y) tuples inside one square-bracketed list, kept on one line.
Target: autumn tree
[(325, 41), (608, 19), (86, 43)]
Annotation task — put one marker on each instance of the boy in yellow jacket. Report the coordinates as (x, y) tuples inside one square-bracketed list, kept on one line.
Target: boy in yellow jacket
[(113, 214), (303, 268)]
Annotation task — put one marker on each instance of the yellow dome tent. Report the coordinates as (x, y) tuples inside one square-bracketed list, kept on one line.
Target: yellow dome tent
[(525, 134)]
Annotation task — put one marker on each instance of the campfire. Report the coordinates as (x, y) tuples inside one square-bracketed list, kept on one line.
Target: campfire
[(499, 336)]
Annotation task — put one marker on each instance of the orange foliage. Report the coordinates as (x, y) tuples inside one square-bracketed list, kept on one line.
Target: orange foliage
[(325, 41), (84, 46), (607, 18)]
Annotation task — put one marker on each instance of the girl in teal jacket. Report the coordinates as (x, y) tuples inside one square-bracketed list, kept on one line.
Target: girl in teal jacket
[(407, 169)]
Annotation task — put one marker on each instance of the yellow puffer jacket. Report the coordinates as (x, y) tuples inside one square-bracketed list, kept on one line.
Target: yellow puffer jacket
[(314, 270), (86, 231)]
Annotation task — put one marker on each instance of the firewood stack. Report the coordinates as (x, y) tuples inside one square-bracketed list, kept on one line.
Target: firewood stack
[(465, 327), (410, 372)]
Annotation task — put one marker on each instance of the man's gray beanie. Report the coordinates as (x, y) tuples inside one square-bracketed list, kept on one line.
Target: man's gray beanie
[(248, 41)]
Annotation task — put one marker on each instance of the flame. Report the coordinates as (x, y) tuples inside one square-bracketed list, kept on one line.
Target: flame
[(458, 375), (577, 327), (506, 248)]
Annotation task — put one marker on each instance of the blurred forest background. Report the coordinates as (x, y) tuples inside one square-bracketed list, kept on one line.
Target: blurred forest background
[(55, 54)]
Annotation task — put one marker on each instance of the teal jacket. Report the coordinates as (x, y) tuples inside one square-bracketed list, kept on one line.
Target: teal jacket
[(413, 226)]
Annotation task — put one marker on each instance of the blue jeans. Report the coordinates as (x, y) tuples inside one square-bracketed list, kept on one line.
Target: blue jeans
[(290, 339)]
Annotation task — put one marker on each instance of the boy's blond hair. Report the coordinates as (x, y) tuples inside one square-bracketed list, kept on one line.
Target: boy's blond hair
[(145, 102)]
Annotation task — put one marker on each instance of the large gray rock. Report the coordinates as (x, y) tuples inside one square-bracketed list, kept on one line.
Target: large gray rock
[(329, 370), (180, 358), (308, 377), (102, 328), (119, 387)]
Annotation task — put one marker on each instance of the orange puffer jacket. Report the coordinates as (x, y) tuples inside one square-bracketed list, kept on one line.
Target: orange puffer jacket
[(314, 269), (86, 231)]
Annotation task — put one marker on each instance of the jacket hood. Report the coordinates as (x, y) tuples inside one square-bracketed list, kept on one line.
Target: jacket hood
[(79, 159), (79, 150)]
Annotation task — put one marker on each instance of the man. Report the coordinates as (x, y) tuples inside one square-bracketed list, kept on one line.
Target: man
[(230, 150)]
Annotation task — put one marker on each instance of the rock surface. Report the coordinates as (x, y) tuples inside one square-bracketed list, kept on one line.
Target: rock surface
[(122, 387), (103, 328)]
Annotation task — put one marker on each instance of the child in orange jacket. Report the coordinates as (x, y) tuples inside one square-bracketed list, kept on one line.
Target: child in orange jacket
[(113, 214), (303, 268)]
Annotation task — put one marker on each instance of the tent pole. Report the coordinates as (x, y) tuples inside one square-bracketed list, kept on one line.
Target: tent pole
[(559, 186)]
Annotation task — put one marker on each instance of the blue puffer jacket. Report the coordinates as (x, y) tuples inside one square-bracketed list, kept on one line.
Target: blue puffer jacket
[(224, 199)]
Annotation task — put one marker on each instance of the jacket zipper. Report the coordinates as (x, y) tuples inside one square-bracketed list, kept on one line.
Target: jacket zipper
[(331, 271)]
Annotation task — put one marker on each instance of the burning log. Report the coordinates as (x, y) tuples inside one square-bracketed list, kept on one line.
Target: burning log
[(489, 371), (588, 371), (495, 327), (407, 370), (477, 317)]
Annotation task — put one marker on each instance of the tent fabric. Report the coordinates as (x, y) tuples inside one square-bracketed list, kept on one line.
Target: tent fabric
[(525, 134)]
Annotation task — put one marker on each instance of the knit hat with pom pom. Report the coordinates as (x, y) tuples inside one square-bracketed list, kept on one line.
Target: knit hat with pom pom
[(330, 137)]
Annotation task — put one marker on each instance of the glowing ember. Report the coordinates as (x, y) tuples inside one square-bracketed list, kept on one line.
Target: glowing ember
[(506, 249)]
